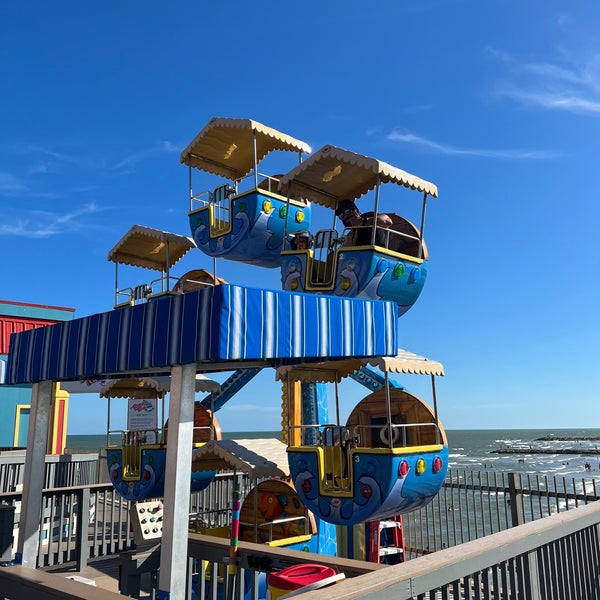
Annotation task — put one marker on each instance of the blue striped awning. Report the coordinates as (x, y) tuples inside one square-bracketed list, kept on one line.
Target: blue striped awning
[(225, 323)]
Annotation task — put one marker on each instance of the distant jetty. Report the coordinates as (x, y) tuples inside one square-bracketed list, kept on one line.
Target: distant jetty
[(554, 438), (582, 451)]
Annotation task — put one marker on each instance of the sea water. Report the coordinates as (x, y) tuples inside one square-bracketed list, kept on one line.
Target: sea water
[(470, 449)]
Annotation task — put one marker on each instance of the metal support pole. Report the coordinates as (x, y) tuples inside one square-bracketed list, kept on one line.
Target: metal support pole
[(435, 410), (388, 403), (167, 265), (255, 159), (108, 422), (376, 212), (116, 280), (33, 474), (190, 181), (173, 558), (420, 255)]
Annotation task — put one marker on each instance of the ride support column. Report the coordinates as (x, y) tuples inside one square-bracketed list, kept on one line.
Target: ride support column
[(173, 556)]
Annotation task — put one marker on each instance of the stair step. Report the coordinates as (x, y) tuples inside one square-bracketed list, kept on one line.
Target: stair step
[(390, 550), (390, 524)]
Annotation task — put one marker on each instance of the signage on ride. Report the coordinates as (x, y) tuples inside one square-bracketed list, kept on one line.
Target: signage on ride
[(142, 416)]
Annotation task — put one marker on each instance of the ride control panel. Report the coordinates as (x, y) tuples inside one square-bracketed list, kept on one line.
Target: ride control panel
[(147, 520)]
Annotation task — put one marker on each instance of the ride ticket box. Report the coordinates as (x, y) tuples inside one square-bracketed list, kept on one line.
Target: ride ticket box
[(147, 520)]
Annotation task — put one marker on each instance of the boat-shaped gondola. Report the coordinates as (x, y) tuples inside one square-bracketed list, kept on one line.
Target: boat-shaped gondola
[(137, 463), (243, 218), (367, 260), (389, 458)]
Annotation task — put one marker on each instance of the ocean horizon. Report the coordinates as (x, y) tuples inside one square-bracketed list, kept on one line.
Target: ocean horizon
[(471, 449)]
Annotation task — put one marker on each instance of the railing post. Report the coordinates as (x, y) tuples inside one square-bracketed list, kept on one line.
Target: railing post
[(516, 498), (7, 525), (82, 550), (533, 576)]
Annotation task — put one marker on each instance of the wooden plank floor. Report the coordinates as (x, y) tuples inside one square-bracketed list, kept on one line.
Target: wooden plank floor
[(104, 571)]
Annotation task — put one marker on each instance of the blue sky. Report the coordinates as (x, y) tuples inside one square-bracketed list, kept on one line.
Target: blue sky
[(497, 102)]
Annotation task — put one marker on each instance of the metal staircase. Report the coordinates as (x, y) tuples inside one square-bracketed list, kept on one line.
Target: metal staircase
[(373, 380), (230, 388), (386, 541)]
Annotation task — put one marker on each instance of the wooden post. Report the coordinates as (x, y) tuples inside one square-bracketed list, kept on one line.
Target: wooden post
[(33, 474), (515, 498), (173, 559)]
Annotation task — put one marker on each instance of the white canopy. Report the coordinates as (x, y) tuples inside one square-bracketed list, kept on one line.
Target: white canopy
[(403, 362), (148, 387), (225, 147), (256, 457), (150, 248), (333, 174)]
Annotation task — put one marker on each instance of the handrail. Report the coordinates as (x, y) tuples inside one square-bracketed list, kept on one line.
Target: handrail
[(391, 236), (427, 573), (25, 582), (329, 434)]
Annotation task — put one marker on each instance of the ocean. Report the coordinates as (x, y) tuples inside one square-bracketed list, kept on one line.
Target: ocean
[(473, 449)]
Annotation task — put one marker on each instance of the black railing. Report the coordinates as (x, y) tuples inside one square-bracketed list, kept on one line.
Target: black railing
[(90, 521)]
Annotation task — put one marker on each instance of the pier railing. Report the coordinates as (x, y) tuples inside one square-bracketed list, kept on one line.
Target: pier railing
[(64, 470), (475, 504), (83, 522)]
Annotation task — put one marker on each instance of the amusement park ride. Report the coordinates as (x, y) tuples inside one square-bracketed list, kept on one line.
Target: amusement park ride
[(390, 456)]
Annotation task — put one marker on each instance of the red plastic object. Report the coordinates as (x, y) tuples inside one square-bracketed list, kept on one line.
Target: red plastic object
[(298, 576)]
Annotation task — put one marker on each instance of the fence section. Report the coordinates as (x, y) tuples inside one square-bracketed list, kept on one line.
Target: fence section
[(474, 504), (85, 522)]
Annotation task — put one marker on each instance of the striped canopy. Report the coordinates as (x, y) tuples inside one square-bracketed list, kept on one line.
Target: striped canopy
[(223, 327)]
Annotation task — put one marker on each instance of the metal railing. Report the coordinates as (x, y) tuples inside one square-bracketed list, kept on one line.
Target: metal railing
[(61, 470), (83, 522), (550, 558), (475, 504)]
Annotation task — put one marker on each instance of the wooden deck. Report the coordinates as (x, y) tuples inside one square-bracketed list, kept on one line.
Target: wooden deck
[(103, 572)]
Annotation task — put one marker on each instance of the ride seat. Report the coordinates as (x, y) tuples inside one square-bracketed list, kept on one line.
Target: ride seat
[(221, 193), (324, 246), (408, 243)]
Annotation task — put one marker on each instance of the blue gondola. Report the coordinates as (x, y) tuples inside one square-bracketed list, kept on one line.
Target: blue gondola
[(137, 464), (367, 260), (389, 458), (245, 218)]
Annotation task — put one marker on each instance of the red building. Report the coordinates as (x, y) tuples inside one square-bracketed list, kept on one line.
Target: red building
[(15, 399)]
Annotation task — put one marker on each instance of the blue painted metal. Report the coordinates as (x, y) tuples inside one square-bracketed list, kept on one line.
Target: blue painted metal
[(379, 490), (373, 380), (360, 272), (230, 388), (150, 483), (315, 410), (218, 324), (256, 231)]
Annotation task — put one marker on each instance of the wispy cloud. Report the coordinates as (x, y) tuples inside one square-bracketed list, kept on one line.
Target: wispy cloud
[(165, 147), (87, 161), (508, 154), (35, 150), (44, 224), (9, 184), (568, 87)]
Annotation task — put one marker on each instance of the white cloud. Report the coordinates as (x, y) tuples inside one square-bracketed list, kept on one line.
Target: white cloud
[(164, 147), (44, 224), (568, 87), (9, 184), (77, 160), (508, 154)]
